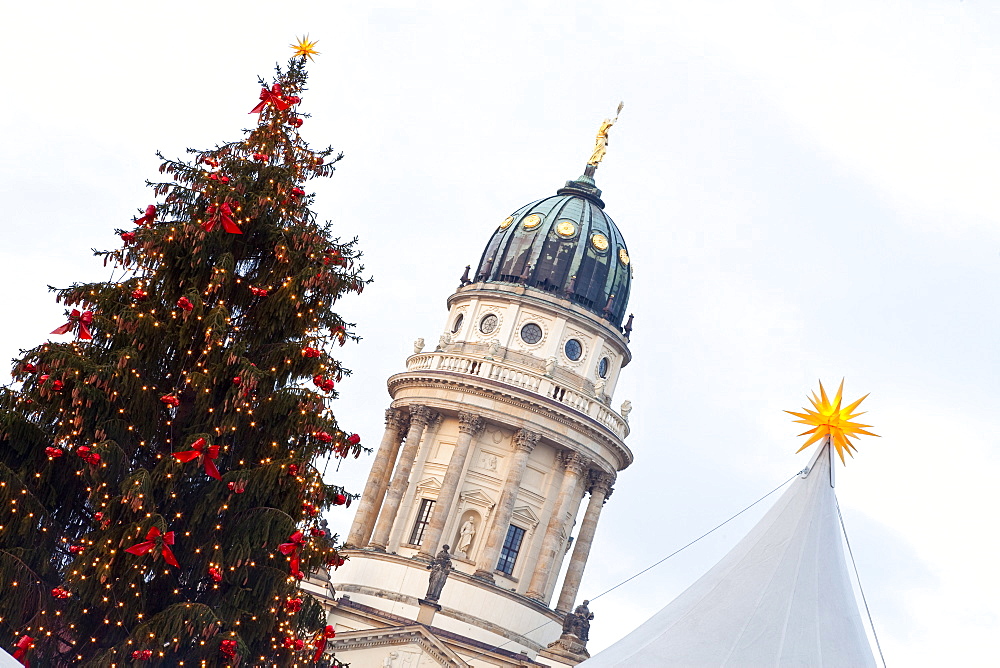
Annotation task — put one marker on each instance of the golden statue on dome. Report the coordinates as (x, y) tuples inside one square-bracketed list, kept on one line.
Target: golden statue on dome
[(601, 145)]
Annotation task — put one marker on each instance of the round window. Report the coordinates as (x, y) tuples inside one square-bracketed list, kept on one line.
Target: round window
[(602, 367), (531, 333), (573, 349), (458, 323), (489, 324)]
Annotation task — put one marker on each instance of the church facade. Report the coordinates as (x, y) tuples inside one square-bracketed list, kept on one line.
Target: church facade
[(500, 448)]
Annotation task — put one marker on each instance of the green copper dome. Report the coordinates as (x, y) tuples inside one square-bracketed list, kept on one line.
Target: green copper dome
[(565, 245)]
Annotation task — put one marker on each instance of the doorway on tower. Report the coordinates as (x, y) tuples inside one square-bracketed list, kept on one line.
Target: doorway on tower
[(510, 549)]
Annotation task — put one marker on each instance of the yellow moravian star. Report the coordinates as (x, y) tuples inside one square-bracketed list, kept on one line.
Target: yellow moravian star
[(306, 48), (831, 421)]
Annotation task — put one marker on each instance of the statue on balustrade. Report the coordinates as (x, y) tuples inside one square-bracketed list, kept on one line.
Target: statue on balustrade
[(440, 567)]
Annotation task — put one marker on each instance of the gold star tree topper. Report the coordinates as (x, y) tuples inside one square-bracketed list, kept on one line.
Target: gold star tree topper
[(306, 48), (829, 420)]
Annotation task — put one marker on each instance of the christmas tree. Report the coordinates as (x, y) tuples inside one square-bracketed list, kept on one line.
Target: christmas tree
[(160, 496)]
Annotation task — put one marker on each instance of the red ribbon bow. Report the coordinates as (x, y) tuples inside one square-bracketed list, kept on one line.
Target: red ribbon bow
[(222, 213), (319, 642), (79, 322), (291, 550), (209, 454), (149, 217), (22, 647), (165, 542), (273, 97)]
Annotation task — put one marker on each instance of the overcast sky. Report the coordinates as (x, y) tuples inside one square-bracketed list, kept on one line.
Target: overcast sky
[(807, 193)]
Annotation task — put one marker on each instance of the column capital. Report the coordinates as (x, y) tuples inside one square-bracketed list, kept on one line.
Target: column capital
[(396, 419), (601, 481), (421, 415), (574, 462), (470, 423), (526, 440)]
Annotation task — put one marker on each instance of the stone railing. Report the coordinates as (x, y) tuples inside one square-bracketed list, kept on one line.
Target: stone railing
[(523, 378)]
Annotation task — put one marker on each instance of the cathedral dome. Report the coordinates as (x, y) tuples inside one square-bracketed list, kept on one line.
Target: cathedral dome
[(565, 245)]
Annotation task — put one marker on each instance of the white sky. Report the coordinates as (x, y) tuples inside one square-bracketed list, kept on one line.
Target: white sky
[(807, 192)]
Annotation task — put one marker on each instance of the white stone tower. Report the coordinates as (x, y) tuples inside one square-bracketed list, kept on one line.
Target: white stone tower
[(493, 441)]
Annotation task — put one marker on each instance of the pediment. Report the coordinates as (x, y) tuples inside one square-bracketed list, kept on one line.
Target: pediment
[(430, 484), (399, 645), (525, 515), (477, 497)]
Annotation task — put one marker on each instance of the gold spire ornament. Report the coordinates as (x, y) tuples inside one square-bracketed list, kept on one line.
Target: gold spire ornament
[(305, 48), (831, 421), (601, 145)]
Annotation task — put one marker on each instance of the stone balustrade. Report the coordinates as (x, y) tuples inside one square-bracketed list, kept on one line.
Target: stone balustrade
[(521, 377)]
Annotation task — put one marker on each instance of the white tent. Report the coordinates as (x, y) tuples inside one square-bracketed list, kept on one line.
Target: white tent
[(781, 597), (7, 661)]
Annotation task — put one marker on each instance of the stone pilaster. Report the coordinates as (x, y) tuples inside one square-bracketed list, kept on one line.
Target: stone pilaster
[(469, 424), (575, 465), (600, 490), (378, 479), (524, 443), (420, 417)]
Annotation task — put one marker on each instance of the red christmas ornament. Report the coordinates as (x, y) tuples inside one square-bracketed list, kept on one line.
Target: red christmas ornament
[(86, 454), (127, 237), (59, 592), (237, 486), (142, 655), (316, 532), (293, 604), (336, 562), (309, 351), (353, 439), (221, 214), (272, 97), (295, 122), (76, 549), (293, 469), (170, 400), (293, 643), (44, 377), (215, 574), (323, 437), (237, 380), (322, 383), (152, 539), (30, 368), (209, 161), (261, 157), (54, 453), (185, 304), (224, 179), (148, 218), (80, 322), (57, 385), (213, 177), (298, 192), (292, 99), (309, 509), (139, 293), (98, 516), (228, 647), (340, 499), (260, 292), (209, 453)]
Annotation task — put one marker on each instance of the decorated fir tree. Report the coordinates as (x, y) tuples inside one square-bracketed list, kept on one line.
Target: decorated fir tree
[(160, 495)]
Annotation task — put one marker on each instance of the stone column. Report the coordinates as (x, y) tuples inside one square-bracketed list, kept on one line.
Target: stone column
[(524, 443), (378, 479), (469, 424), (420, 416), (600, 490), (575, 467)]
